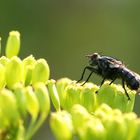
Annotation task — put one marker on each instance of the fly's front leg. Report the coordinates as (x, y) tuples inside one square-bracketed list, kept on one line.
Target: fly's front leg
[(82, 76), (90, 69), (87, 78)]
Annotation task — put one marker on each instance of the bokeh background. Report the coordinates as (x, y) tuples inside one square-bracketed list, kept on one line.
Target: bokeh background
[(64, 31)]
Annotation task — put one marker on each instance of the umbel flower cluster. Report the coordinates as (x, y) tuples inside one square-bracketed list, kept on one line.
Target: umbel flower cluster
[(26, 93), (24, 98)]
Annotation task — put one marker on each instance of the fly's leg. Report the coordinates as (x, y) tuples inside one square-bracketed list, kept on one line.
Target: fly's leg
[(123, 85), (101, 83), (112, 81), (104, 81), (82, 76), (87, 78), (90, 69)]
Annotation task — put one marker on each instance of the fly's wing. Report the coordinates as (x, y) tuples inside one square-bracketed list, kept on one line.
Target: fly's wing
[(137, 76), (114, 63)]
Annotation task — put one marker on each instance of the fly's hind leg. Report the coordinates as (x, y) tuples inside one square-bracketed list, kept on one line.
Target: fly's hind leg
[(123, 85)]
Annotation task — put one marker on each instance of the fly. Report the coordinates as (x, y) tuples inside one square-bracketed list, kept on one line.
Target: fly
[(111, 69)]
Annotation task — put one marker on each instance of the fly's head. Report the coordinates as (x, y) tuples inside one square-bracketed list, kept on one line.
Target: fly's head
[(93, 59)]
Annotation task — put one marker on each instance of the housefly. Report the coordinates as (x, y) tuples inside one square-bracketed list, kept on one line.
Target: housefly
[(111, 69)]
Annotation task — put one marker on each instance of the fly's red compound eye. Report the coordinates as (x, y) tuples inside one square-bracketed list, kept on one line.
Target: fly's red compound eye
[(94, 56)]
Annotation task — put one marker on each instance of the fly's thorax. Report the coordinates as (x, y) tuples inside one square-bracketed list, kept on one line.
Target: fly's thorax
[(103, 65), (93, 62)]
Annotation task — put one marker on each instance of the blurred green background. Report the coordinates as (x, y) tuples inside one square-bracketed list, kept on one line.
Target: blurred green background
[(64, 31)]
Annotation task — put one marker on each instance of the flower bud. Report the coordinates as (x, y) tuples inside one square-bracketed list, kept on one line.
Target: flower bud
[(61, 125), (124, 125), (43, 98), (106, 94), (61, 84), (29, 64), (86, 126), (114, 96), (32, 102), (54, 94), (19, 93), (72, 96), (121, 101), (88, 96), (2, 76), (93, 129), (41, 71), (41, 93), (13, 44), (4, 60), (14, 72), (131, 124), (117, 125), (80, 116), (8, 108), (113, 121), (29, 61), (102, 111), (28, 75), (137, 132)]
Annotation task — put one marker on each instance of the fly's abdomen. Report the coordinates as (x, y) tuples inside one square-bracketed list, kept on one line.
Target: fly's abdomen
[(130, 78), (133, 84)]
